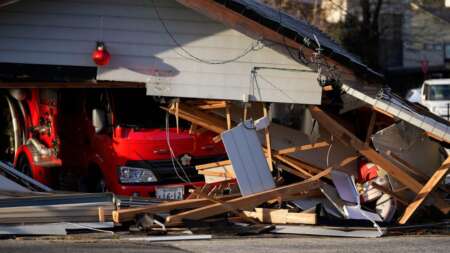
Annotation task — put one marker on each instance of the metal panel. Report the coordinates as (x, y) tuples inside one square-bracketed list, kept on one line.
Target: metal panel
[(324, 231), (52, 228), (30, 182), (408, 143), (403, 110), (248, 160), (10, 186)]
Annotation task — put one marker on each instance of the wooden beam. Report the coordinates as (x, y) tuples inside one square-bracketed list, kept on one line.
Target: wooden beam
[(299, 171), (213, 165), (425, 191), (306, 147), (250, 201), (281, 216), (123, 215), (226, 174), (268, 142), (206, 120), (212, 106), (373, 118), (177, 116), (228, 116), (311, 169), (338, 131)]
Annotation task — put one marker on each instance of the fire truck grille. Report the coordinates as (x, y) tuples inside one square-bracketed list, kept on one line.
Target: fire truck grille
[(165, 171)]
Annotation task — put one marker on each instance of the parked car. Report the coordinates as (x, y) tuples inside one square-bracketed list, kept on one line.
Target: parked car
[(434, 95), (103, 139)]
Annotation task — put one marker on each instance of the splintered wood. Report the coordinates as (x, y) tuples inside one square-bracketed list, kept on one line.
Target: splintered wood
[(281, 216), (251, 201), (345, 136), (202, 204)]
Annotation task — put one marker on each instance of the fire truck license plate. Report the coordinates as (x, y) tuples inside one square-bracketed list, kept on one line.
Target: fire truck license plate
[(170, 193)]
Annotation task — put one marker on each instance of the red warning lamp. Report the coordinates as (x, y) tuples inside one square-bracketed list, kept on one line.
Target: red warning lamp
[(101, 56)]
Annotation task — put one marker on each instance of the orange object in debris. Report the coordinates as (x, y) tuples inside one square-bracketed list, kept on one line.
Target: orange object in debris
[(367, 171)]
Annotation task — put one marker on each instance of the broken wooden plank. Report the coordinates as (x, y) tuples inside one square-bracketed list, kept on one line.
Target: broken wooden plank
[(129, 214), (345, 136), (213, 165), (248, 202), (303, 167), (306, 147), (425, 191), (267, 138), (206, 120), (298, 169), (228, 115), (281, 216), (212, 105)]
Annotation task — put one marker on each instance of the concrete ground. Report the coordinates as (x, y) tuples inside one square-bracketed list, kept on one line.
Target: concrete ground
[(410, 244)]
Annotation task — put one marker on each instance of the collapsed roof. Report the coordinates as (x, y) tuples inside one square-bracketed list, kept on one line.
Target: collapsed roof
[(240, 14), (299, 31)]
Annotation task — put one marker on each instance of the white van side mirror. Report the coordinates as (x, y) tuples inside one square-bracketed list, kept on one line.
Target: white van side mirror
[(98, 120)]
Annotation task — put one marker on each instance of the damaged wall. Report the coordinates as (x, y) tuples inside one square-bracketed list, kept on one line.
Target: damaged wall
[(150, 42)]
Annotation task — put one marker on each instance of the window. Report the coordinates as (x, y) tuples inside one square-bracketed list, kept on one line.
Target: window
[(437, 92)]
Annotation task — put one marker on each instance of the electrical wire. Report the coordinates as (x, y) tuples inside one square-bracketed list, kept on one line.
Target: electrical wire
[(329, 151), (173, 158), (301, 59), (254, 46), (324, 70)]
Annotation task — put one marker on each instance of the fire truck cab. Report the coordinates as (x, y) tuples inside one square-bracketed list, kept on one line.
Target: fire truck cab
[(117, 140)]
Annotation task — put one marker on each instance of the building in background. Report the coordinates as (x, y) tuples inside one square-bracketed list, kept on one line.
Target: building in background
[(407, 40)]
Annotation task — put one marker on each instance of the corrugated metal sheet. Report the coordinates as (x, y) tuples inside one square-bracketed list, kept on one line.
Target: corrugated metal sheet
[(398, 107), (298, 30), (249, 163)]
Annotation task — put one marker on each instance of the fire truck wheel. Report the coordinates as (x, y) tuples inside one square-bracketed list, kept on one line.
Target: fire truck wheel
[(24, 166)]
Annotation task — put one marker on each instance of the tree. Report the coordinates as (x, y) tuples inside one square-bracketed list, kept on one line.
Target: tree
[(359, 33)]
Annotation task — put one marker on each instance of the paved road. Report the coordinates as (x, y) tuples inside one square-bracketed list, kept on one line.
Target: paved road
[(314, 244), (410, 244)]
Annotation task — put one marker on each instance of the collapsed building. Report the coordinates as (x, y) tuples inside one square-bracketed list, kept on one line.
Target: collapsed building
[(307, 127)]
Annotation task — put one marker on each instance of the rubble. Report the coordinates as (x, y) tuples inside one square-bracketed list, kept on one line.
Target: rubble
[(336, 178), (245, 190)]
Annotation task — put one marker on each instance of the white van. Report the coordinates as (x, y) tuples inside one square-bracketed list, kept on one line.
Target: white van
[(434, 95)]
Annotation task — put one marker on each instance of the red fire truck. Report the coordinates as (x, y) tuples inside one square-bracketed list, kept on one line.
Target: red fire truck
[(102, 139)]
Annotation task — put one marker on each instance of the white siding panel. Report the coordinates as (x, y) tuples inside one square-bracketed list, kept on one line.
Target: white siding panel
[(64, 32)]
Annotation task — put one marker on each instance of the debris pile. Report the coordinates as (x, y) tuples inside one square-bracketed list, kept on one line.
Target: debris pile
[(284, 179), (331, 179)]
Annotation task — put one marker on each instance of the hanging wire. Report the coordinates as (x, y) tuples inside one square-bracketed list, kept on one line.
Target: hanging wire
[(326, 72), (173, 158), (254, 46), (329, 151), (301, 59)]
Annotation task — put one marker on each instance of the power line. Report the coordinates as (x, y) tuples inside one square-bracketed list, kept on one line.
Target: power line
[(255, 46)]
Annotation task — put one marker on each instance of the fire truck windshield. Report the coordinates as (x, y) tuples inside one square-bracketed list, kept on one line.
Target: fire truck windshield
[(134, 109)]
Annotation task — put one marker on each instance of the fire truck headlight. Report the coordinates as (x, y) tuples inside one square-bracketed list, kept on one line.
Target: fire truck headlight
[(131, 175)]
